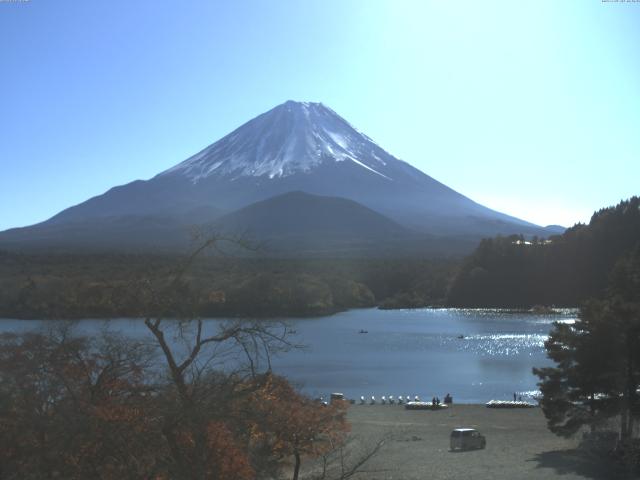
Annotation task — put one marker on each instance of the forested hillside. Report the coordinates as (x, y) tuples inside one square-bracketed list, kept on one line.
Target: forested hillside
[(508, 272), (81, 286), (563, 270)]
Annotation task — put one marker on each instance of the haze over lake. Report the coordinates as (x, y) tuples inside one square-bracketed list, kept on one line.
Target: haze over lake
[(476, 355)]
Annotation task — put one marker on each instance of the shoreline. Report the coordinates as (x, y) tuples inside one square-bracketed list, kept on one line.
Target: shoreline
[(304, 316), (519, 445)]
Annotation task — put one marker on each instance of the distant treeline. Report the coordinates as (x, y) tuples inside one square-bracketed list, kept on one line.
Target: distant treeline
[(507, 272), (563, 270), (100, 286)]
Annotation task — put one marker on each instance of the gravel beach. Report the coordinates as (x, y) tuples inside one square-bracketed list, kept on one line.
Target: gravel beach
[(519, 446)]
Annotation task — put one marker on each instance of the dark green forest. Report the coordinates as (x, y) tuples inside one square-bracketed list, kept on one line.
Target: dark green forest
[(564, 270), (503, 272), (81, 286)]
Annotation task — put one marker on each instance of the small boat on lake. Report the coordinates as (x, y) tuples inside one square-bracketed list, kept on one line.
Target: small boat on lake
[(425, 406), (509, 404)]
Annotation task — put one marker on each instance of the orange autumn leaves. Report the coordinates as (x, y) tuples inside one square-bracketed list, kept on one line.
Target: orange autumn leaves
[(226, 458), (270, 422), (292, 423), (79, 408), (70, 408)]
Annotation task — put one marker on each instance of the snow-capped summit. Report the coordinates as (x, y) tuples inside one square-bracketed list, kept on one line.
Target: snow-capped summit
[(291, 138)]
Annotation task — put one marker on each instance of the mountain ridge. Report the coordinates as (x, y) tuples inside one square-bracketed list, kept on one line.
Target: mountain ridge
[(296, 146)]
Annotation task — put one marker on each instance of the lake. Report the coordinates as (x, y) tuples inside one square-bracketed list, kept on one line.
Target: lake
[(476, 355)]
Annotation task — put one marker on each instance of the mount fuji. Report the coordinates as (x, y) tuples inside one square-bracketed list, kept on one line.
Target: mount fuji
[(295, 147)]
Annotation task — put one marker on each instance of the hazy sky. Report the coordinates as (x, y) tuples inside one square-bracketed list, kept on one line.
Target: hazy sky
[(531, 108)]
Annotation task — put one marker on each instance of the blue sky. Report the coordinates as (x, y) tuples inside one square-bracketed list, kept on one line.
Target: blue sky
[(529, 107)]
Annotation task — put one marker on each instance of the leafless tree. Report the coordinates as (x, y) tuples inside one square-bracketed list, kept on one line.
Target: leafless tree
[(209, 363), (349, 459)]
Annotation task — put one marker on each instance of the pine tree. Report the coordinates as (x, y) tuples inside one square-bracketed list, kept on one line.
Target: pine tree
[(597, 370)]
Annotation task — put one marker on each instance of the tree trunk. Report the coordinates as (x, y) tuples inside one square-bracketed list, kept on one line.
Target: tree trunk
[(630, 391), (623, 424), (296, 468)]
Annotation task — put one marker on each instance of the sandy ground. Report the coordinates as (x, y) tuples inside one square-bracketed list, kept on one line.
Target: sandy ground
[(519, 446)]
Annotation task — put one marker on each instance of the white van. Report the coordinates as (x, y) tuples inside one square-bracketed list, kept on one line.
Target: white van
[(466, 439)]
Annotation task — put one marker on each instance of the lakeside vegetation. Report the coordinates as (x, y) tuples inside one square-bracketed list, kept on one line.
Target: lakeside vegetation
[(594, 385), (192, 403), (99, 286), (503, 272)]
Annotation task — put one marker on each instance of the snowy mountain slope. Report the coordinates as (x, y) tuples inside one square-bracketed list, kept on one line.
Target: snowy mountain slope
[(292, 138), (298, 146)]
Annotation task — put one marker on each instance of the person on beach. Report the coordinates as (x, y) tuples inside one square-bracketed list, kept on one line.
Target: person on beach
[(514, 396)]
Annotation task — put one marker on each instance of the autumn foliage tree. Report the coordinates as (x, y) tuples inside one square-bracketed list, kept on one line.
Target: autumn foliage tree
[(74, 408), (287, 424)]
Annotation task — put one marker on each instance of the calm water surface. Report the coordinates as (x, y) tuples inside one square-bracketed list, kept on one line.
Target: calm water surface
[(404, 352)]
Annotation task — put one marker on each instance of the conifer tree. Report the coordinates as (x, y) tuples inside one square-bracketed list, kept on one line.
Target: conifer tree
[(597, 372)]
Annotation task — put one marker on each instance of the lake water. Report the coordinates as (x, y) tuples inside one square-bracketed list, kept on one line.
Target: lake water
[(476, 355)]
